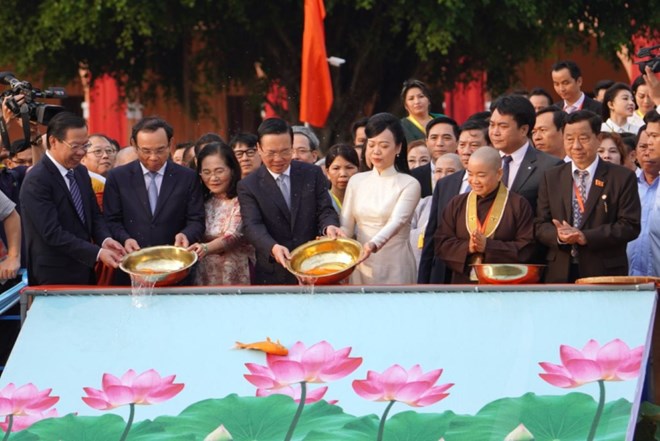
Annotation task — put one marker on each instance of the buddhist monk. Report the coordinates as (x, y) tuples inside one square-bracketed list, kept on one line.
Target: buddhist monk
[(489, 224)]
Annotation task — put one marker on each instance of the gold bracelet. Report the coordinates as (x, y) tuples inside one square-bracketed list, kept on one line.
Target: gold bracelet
[(205, 248)]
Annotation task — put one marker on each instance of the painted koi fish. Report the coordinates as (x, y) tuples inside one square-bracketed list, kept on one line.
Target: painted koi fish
[(268, 346)]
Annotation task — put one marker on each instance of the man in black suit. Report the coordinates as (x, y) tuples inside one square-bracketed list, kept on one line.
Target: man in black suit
[(153, 201), (567, 81), (523, 166), (441, 137), (473, 134), (65, 232), (284, 204), (588, 209)]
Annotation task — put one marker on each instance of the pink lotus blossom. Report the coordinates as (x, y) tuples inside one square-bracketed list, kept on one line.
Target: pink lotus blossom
[(312, 396), (413, 387), (613, 362), (25, 400), (146, 388), (317, 364), (24, 421)]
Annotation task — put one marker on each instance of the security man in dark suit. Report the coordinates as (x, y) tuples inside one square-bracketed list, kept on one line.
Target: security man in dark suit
[(65, 232), (284, 204)]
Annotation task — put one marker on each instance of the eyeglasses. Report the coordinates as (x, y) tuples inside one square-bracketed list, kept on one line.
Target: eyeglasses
[(19, 161), (302, 150), (206, 174), (99, 152), (157, 151), (249, 153), (76, 146), (284, 154)]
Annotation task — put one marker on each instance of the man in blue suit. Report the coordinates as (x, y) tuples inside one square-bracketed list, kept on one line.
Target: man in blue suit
[(65, 232), (153, 201), (284, 204)]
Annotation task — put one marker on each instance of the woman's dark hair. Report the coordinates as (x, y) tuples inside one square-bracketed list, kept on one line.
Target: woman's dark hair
[(610, 94), (221, 149), (378, 124), (363, 158), (345, 151), (411, 84)]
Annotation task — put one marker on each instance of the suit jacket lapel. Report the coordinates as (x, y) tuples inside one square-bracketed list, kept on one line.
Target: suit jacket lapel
[(527, 167), (566, 192), (296, 181), (137, 182), (271, 188), (166, 187), (595, 191)]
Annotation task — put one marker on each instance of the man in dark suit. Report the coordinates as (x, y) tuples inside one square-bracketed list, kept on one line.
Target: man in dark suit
[(588, 209), (65, 232), (523, 166), (473, 134), (441, 137), (567, 81), (153, 201), (284, 204)]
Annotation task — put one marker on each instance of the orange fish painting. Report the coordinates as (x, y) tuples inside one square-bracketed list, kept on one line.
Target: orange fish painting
[(268, 346)]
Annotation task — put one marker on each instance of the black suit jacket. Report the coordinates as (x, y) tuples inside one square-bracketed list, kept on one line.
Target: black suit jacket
[(268, 221), (61, 248), (423, 175), (180, 206), (587, 104), (611, 219), (431, 268), (530, 173)]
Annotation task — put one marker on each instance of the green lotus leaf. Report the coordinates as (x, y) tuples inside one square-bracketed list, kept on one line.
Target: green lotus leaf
[(404, 426), (548, 418), (254, 418)]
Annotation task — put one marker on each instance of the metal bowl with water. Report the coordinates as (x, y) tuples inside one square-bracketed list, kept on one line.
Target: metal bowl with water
[(327, 261), (163, 265), (508, 273)]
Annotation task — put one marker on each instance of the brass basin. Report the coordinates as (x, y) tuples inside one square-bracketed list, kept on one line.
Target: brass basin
[(618, 280), (508, 273), (163, 265), (326, 261)]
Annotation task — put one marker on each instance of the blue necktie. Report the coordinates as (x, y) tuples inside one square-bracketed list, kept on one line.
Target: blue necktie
[(284, 188), (152, 191), (581, 184), (75, 195), (506, 160)]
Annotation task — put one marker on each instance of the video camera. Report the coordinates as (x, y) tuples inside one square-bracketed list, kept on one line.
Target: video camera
[(38, 112), (653, 63)]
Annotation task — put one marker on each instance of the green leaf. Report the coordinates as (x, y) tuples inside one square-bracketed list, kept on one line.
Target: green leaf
[(253, 418), (405, 426), (548, 418), (108, 427)]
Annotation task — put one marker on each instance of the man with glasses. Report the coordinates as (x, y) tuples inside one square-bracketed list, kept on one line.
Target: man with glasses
[(100, 157), (244, 146), (305, 144), (283, 204), (153, 201), (65, 232)]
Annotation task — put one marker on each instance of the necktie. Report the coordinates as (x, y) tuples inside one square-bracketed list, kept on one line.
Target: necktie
[(152, 191), (75, 195), (284, 188), (581, 185), (506, 160)]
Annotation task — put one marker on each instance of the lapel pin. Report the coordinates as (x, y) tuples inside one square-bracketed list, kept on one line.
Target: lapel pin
[(599, 183), (604, 198)]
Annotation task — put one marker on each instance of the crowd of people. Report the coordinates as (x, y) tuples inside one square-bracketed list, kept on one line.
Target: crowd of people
[(571, 185)]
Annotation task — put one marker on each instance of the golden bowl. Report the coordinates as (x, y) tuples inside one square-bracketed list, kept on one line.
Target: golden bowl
[(163, 265), (618, 280), (508, 273), (326, 261)]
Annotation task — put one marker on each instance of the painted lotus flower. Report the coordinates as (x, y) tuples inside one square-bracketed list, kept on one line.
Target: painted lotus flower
[(319, 363), (412, 387), (145, 388), (614, 361), (25, 400), (312, 395), (24, 421)]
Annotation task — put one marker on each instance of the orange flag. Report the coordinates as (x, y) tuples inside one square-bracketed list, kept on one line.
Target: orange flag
[(315, 87)]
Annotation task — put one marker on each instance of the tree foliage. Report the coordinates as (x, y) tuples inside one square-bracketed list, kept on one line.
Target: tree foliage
[(192, 48)]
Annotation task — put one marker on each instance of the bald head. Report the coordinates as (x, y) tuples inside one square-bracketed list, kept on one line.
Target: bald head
[(484, 170), (487, 156), (447, 164), (126, 155)]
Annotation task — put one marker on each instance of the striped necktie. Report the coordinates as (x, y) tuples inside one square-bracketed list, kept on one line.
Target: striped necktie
[(75, 195)]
